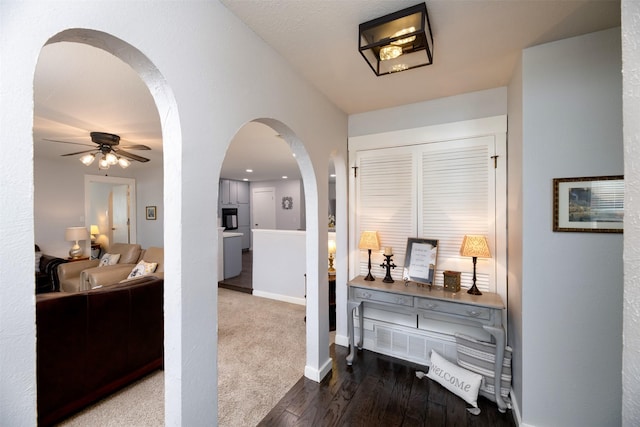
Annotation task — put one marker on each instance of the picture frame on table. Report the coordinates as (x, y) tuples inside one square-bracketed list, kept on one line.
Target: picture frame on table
[(589, 204), (420, 260), (151, 213)]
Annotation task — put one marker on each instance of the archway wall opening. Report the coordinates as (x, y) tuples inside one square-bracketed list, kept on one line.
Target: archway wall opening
[(212, 88)]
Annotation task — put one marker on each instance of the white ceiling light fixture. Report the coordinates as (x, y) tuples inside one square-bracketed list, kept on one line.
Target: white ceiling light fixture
[(398, 41), (87, 159), (124, 163)]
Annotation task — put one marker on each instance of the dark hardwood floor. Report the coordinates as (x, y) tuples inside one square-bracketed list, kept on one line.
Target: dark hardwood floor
[(242, 282), (378, 391)]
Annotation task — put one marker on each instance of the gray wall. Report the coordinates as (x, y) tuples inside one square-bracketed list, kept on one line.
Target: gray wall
[(286, 219), (572, 283), (59, 200)]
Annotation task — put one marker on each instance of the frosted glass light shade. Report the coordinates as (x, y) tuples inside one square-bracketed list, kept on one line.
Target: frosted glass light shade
[(87, 159)]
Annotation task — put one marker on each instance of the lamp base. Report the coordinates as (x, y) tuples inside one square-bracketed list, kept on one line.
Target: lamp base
[(474, 290), (75, 251)]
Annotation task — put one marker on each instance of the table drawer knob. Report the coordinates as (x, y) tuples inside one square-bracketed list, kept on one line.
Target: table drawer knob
[(430, 306), (474, 313)]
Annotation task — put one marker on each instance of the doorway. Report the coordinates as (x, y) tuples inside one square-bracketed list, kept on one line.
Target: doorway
[(110, 203), (263, 203)]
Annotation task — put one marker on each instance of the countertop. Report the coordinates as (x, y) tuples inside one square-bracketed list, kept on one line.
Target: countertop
[(226, 234)]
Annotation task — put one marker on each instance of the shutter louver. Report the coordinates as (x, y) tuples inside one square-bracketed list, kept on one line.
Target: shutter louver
[(386, 205), (455, 201)]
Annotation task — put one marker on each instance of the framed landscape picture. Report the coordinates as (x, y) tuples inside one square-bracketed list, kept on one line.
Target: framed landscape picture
[(151, 213), (590, 204)]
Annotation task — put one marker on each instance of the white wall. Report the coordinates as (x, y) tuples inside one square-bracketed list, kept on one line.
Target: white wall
[(474, 105), (514, 235), (572, 283), (198, 91), (631, 100), (278, 265)]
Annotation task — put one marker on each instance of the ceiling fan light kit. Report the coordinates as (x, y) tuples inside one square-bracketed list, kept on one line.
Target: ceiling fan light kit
[(109, 151), (398, 41)]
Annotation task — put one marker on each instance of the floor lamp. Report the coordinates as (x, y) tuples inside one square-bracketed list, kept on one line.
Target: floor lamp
[(475, 246), (369, 241)]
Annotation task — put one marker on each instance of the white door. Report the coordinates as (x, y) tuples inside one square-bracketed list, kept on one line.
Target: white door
[(120, 214), (263, 205)]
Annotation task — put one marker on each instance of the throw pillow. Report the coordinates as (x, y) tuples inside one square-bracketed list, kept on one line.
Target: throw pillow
[(479, 357), (459, 381), (142, 269), (38, 256), (109, 259)]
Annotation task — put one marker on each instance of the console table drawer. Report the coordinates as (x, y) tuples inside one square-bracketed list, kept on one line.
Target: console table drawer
[(385, 297), (470, 311)]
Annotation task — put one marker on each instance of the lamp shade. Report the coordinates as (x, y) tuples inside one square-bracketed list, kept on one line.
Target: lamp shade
[(73, 234), (332, 246), (369, 240), (398, 41), (94, 229), (475, 246)]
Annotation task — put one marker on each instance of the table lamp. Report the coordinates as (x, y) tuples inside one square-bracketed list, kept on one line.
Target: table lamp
[(332, 254), (369, 241), (475, 246), (75, 234), (94, 231)]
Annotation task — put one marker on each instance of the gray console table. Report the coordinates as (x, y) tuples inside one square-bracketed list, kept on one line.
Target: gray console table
[(482, 310)]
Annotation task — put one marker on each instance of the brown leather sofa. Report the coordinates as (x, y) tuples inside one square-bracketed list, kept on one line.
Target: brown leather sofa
[(92, 343)]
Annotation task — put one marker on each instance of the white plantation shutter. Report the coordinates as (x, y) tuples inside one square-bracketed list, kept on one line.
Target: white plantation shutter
[(457, 197), (386, 186), (441, 190)]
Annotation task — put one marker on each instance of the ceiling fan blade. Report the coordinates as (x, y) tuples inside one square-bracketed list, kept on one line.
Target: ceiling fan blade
[(67, 142), (135, 147), (130, 155), (79, 152)]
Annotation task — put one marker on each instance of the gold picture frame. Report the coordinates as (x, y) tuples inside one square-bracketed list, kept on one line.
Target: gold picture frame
[(589, 204), (151, 213)]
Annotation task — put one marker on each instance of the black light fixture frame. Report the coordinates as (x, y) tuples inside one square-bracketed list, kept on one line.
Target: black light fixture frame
[(371, 40)]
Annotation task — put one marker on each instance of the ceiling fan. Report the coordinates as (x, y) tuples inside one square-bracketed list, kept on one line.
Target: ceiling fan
[(110, 149)]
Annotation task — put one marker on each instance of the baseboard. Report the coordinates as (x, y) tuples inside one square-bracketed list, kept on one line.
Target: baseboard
[(278, 297), (342, 340), (318, 374), (515, 409)]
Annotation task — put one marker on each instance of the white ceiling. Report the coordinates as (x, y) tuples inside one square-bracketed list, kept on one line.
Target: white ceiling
[(477, 43)]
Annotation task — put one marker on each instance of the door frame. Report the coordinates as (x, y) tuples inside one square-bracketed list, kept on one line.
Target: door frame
[(272, 190), (88, 180)]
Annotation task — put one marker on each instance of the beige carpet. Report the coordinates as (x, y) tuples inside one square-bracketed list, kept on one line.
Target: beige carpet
[(261, 355)]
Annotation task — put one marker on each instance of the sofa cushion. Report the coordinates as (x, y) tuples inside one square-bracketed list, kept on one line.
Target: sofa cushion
[(129, 252), (109, 259), (142, 269), (154, 254)]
